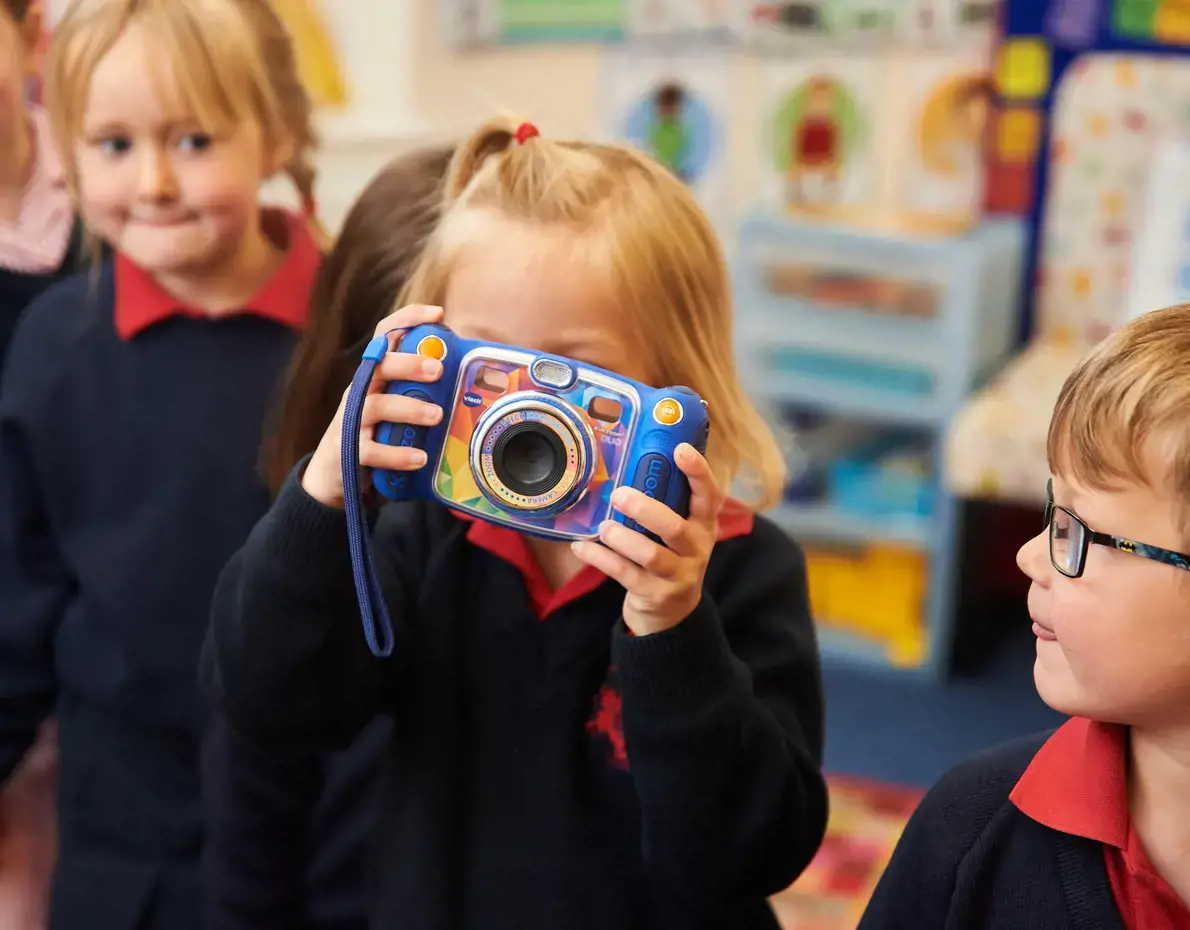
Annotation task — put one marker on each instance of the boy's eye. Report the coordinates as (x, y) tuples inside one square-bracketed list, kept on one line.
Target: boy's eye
[(195, 142), (115, 145)]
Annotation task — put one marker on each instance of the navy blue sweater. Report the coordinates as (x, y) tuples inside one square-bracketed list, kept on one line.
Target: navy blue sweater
[(18, 290), (969, 860), (276, 819), (128, 476), (512, 797)]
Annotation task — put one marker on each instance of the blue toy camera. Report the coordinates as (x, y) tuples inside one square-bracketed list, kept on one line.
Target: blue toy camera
[(539, 442)]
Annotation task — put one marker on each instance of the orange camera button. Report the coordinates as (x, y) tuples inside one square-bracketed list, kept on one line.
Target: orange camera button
[(432, 347), (668, 412)]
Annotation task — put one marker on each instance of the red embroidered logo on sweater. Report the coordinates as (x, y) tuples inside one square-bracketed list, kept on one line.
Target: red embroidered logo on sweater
[(607, 722)]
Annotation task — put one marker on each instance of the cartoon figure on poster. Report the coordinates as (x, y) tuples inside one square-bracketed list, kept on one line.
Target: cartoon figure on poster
[(952, 139), (817, 130), (674, 125)]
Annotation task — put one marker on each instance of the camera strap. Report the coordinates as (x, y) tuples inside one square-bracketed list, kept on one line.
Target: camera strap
[(373, 610)]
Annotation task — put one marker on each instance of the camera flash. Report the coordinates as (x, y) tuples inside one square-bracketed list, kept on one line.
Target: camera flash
[(549, 372)]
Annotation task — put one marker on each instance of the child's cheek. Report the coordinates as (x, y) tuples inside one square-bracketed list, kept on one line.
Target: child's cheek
[(223, 189)]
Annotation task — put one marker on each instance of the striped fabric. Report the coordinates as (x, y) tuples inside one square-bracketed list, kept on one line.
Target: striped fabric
[(37, 242)]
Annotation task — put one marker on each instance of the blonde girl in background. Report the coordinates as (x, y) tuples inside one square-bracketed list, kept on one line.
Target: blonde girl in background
[(619, 735), (131, 417)]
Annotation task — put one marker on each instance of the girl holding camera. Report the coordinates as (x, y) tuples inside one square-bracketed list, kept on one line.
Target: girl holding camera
[(606, 734)]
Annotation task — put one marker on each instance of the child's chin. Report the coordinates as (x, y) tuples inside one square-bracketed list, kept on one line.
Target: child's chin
[(1057, 687)]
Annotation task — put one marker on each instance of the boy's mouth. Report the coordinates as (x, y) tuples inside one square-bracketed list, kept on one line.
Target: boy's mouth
[(1041, 631)]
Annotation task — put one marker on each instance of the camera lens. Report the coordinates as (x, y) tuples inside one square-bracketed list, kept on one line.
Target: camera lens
[(532, 454), (529, 458)]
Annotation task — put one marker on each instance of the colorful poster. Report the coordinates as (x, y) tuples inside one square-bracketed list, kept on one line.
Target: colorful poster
[(675, 108), (559, 20), (775, 24), (951, 105), (819, 119), (929, 22), (1162, 21), (661, 18), (943, 23)]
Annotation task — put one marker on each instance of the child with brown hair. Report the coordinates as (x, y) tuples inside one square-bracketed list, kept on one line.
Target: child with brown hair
[(131, 418), (616, 735), (287, 832), (1087, 826)]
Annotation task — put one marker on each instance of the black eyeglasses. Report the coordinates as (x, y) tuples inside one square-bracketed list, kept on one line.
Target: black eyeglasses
[(1070, 538)]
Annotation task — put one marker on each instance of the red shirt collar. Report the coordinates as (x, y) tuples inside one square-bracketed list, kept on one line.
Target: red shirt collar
[(734, 520), (141, 302), (1077, 783)]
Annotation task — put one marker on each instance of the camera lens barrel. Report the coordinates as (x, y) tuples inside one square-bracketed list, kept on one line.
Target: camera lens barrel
[(532, 453)]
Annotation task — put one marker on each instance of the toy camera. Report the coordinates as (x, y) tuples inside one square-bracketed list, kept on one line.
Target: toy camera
[(539, 442)]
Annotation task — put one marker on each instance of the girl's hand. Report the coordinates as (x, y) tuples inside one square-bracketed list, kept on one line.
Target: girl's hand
[(664, 585), (323, 477)]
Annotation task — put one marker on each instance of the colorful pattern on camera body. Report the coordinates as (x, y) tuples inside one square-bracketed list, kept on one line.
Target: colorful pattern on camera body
[(626, 431)]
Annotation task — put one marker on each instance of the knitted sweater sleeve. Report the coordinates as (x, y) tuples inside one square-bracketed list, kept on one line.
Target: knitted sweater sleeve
[(285, 659), (723, 723)]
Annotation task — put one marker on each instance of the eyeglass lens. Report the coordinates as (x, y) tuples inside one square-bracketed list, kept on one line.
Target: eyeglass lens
[(1066, 541)]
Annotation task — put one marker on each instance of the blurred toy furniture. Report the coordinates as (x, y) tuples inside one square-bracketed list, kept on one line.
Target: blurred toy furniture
[(1089, 94), (883, 337)]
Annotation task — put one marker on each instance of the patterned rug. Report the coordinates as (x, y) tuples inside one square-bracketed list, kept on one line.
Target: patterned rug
[(866, 820)]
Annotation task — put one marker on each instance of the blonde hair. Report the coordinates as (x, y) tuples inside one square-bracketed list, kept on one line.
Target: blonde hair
[(642, 226), (1131, 391), (234, 61)]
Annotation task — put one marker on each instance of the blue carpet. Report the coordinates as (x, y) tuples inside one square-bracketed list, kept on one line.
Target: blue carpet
[(911, 733)]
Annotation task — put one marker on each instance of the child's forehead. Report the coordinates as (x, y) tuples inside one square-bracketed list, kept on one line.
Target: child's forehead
[(151, 77), (1133, 507)]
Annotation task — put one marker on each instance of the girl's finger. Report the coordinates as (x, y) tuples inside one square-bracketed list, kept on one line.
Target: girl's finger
[(390, 458), (406, 318), (631, 577), (406, 366), (639, 549), (705, 497), (398, 408), (655, 517)]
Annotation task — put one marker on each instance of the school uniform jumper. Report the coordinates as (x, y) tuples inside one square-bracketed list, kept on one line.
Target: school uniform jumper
[(130, 431), (288, 833), (1031, 835), (547, 769)]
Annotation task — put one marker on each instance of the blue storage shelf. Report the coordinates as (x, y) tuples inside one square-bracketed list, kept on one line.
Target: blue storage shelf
[(825, 521), (866, 362)]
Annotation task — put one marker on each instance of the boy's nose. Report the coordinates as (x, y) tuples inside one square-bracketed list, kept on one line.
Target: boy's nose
[(1033, 558)]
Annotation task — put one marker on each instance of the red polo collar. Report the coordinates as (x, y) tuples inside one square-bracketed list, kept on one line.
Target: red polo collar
[(1076, 783), (141, 302), (734, 520)]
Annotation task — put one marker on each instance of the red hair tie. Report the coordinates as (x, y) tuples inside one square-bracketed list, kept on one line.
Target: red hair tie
[(309, 207), (524, 132)]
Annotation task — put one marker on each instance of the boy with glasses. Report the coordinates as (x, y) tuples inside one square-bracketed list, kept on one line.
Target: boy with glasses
[(1087, 826)]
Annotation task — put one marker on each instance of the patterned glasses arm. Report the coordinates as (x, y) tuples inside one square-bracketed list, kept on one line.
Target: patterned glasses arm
[(1144, 550)]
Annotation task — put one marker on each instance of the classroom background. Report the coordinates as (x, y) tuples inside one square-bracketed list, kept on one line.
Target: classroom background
[(932, 208)]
